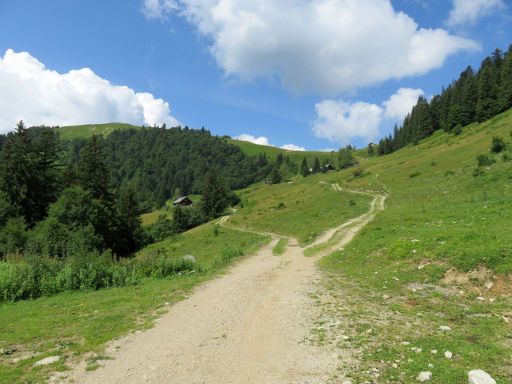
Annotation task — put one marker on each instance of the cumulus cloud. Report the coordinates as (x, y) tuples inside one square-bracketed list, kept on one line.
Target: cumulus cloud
[(38, 95), (321, 46), (158, 9), (262, 140), (401, 103), (293, 147), (342, 122), (468, 11)]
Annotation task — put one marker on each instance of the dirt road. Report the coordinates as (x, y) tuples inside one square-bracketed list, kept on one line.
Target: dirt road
[(248, 326)]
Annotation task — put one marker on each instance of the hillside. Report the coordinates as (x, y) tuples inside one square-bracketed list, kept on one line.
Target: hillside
[(88, 130), (251, 149), (438, 255), (272, 152)]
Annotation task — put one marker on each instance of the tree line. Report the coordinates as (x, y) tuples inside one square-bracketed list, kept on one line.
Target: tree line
[(473, 97), (61, 198)]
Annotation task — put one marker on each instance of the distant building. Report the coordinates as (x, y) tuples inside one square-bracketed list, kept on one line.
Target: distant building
[(182, 201), (328, 167)]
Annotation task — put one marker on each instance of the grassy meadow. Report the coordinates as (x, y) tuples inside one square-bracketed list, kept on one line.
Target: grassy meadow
[(302, 208), (89, 130), (77, 325), (439, 255), (252, 149)]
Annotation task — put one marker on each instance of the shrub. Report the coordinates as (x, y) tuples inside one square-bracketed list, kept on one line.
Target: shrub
[(357, 172), (497, 144), (281, 205), (484, 160), (13, 236), (457, 130), (478, 172), (34, 276), (415, 174)]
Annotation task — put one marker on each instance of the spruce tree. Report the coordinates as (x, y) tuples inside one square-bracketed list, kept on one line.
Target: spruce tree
[(27, 172), (371, 150), (275, 176), (128, 215), (304, 168), (346, 159), (214, 198), (316, 165), (92, 170)]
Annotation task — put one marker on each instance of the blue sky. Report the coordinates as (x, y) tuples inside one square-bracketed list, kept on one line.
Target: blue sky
[(267, 76)]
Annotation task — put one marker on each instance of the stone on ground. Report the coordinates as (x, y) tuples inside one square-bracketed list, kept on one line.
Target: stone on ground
[(480, 377), (424, 376), (47, 361), (189, 258)]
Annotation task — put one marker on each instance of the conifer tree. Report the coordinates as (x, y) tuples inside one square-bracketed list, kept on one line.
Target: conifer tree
[(92, 170), (214, 198), (304, 168), (275, 176), (316, 165)]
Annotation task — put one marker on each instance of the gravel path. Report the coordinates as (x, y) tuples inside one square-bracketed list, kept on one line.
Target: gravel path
[(248, 326)]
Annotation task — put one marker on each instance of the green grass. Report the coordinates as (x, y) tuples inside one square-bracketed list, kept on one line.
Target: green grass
[(303, 208), (73, 324), (442, 218), (206, 243), (151, 217), (280, 247), (89, 130), (252, 149)]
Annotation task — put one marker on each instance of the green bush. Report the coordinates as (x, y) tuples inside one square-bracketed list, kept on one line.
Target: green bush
[(357, 172), (484, 160), (498, 144), (30, 276)]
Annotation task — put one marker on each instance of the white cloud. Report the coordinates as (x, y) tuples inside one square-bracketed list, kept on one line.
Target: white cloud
[(341, 122), (293, 147), (262, 140), (320, 46), (38, 95), (468, 11), (158, 9), (401, 103)]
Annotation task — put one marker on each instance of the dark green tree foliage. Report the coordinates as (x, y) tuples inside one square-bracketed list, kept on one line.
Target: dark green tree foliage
[(27, 171), (158, 161), (129, 221), (92, 170), (371, 150), (304, 168), (316, 165), (473, 97), (275, 176), (346, 158), (498, 144), (13, 236), (214, 198)]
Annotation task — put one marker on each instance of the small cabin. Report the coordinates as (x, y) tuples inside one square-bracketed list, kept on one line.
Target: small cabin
[(182, 201), (328, 167)]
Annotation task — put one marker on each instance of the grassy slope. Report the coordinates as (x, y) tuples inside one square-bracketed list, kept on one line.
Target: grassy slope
[(73, 324), (151, 217), (88, 130), (252, 149), (438, 216), (302, 208)]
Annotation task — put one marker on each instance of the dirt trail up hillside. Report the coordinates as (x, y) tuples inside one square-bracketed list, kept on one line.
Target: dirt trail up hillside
[(248, 326)]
